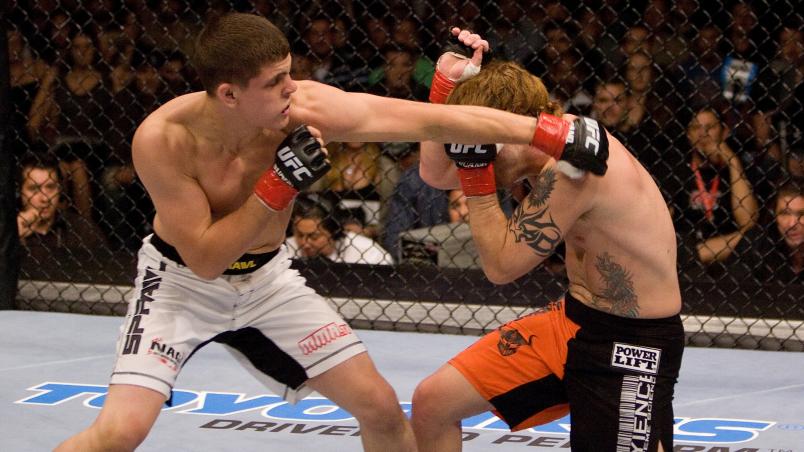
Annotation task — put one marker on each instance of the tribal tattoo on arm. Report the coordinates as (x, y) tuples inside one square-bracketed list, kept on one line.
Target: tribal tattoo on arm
[(618, 297), (537, 227)]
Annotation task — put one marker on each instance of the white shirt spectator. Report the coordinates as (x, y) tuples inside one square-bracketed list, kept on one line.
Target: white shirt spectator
[(352, 248)]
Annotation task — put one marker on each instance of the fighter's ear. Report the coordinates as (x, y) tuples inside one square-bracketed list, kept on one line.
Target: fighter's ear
[(227, 93)]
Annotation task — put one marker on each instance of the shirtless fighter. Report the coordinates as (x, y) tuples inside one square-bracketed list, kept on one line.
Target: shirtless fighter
[(609, 353), (222, 168)]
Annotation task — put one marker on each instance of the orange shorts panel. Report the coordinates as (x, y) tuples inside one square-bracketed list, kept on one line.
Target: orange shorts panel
[(519, 368)]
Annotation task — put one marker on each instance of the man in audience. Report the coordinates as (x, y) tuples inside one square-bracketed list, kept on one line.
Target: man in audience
[(57, 242), (319, 233), (775, 254)]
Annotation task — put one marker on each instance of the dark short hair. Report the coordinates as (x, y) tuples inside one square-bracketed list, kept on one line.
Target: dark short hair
[(233, 48), (312, 206)]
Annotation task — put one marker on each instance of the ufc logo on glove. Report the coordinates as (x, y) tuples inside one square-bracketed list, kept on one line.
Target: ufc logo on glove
[(456, 148), (290, 160)]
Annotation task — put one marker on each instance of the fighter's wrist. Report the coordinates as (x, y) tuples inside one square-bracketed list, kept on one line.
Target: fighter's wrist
[(550, 135), (440, 88), (478, 181), (273, 192)]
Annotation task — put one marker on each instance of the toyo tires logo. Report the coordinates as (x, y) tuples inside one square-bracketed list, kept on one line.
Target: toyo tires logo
[(319, 409)]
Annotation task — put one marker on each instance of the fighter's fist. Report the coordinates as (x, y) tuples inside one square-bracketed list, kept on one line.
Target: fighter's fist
[(578, 146), (475, 164), (300, 161), (463, 56), (461, 60)]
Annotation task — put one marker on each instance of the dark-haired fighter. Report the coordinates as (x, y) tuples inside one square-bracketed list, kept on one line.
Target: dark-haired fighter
[(222, 168)]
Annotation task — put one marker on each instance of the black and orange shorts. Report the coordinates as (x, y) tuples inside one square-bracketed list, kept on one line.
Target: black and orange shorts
[(615, 376)]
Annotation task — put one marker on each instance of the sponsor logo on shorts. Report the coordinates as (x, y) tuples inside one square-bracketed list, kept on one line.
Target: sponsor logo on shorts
[(150, 282), (636, 358), (510, 340), (166, 354), (636, 402), (323, 336)]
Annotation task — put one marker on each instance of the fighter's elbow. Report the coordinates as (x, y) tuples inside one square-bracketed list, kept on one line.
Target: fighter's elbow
[(497, 275)]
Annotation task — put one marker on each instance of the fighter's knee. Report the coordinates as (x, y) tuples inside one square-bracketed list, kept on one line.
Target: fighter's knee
[(380, 408), (425, 400)]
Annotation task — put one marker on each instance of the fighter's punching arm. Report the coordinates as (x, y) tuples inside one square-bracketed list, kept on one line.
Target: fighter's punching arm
[(184, 218), (343, 116), (509, 248)]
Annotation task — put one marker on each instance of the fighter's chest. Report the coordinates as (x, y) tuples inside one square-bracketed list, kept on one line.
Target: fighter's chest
[(228, 181)]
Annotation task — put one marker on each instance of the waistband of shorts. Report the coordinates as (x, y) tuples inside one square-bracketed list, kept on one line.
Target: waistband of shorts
[(247, 263), (592, 319)]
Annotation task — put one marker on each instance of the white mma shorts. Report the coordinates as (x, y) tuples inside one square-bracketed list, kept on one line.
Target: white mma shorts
[(277, 327)]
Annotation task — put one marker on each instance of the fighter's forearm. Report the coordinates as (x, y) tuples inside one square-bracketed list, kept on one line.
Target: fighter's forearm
[(435, 169)]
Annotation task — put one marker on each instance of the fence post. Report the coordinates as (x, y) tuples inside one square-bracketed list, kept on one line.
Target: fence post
[(9, 239)]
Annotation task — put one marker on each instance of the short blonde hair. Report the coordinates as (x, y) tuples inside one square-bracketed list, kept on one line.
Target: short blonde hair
[(505, 85)]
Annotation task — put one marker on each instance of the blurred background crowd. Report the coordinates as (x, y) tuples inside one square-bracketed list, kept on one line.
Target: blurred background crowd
[(707, 95)]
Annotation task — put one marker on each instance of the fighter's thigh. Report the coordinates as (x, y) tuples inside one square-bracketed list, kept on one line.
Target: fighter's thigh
[(165, 323), (302, 328)]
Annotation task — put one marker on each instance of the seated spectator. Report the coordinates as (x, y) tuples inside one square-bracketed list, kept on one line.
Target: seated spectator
[(301, 67), (716, 205), (404, 38), (413, 204), (776, 253), (73, 114), (458, 209), (318, 233), (56, 241), (398, 76), (28, 75)]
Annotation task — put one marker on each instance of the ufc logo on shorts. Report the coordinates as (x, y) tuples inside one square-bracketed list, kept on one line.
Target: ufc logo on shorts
[(291, 161), (593, 135), (456, 148), (636, 358)]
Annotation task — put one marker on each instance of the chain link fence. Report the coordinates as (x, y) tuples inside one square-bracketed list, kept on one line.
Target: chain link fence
[(707, 95)]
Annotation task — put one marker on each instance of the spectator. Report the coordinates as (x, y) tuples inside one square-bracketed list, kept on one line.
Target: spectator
[(405, 36), (378, 36), (776, 100), (56, 241), (457, 209), (413, 204), (514, 36), (716, 206), (178, 76), (318, 233), (116, 52), (776, 253), (699, 79), (328, 66), (28, 75), (301, 67), (73, 114), (398, 76), (355, 172)]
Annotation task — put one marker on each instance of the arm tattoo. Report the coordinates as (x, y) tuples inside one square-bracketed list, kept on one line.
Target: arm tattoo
[(537, 229), (619, 290)]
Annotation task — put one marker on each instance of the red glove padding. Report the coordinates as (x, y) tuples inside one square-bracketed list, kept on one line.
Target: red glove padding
[(550, 135), (273, 191), (440, 88), (478, 181)]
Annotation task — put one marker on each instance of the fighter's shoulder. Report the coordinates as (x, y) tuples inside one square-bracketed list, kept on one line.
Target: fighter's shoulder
[(163, 130)]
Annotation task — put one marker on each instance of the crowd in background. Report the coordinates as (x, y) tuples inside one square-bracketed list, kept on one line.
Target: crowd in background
[(708, 97)]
